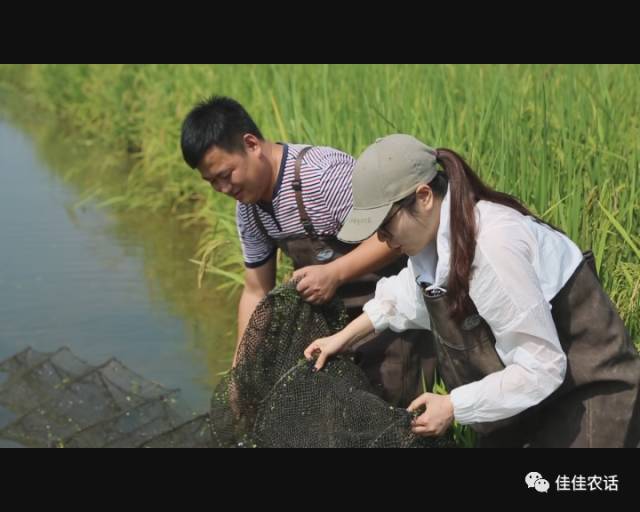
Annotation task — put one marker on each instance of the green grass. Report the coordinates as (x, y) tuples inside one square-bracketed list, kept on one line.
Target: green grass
[(566, 139)]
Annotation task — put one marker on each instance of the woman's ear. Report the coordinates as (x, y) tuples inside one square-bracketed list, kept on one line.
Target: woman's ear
[(425, 196)]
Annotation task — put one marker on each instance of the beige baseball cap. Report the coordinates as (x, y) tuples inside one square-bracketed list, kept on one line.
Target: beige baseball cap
[(388, 170)]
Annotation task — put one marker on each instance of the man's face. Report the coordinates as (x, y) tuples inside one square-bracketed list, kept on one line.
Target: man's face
[(237, 174)]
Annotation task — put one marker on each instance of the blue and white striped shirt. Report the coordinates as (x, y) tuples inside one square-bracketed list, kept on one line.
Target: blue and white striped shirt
[(326, 191)]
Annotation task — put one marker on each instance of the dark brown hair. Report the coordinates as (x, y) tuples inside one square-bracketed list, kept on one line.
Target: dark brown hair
[(465, 190)]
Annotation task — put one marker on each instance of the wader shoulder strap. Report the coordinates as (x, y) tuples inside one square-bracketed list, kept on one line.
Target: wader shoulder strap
[(296, 185)]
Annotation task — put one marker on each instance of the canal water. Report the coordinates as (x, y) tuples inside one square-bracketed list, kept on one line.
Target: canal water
[(103, 282)]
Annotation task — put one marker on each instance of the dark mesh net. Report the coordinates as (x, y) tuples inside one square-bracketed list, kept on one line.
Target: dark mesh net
[(195, 433), (273, 399), (270, 399), (59, 400)]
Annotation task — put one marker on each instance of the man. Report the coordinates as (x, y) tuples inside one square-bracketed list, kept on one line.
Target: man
[(296, 198)]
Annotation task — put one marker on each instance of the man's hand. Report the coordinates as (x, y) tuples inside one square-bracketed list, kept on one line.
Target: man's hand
[(436, 419), (318, 283)]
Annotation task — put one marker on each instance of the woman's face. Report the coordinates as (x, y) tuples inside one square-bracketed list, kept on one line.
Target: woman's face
[(411, 229)]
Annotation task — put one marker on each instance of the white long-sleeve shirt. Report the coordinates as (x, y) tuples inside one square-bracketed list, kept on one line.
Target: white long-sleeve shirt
[(519, 266)]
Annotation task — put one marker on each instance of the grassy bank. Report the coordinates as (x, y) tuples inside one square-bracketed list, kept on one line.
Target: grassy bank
[(566, 139)]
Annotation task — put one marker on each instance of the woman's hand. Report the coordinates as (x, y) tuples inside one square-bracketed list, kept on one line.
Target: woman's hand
[(436, 419), (323, 348)]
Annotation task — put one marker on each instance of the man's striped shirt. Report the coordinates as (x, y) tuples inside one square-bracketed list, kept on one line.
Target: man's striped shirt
[(326, 191)]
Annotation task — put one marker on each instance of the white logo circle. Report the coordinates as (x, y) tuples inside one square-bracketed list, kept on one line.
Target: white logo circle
[(531, 478)]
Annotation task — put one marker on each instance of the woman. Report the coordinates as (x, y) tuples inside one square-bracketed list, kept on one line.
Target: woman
[(528, 343)]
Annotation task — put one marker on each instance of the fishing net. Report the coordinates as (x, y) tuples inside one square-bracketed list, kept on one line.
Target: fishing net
[(271, 398), (56, 399)]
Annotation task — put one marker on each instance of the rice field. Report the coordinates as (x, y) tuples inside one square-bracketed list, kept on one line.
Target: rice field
[(565, 139)]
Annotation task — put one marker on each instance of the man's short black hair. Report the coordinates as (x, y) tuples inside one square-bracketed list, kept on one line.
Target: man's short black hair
[(218, 121)]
